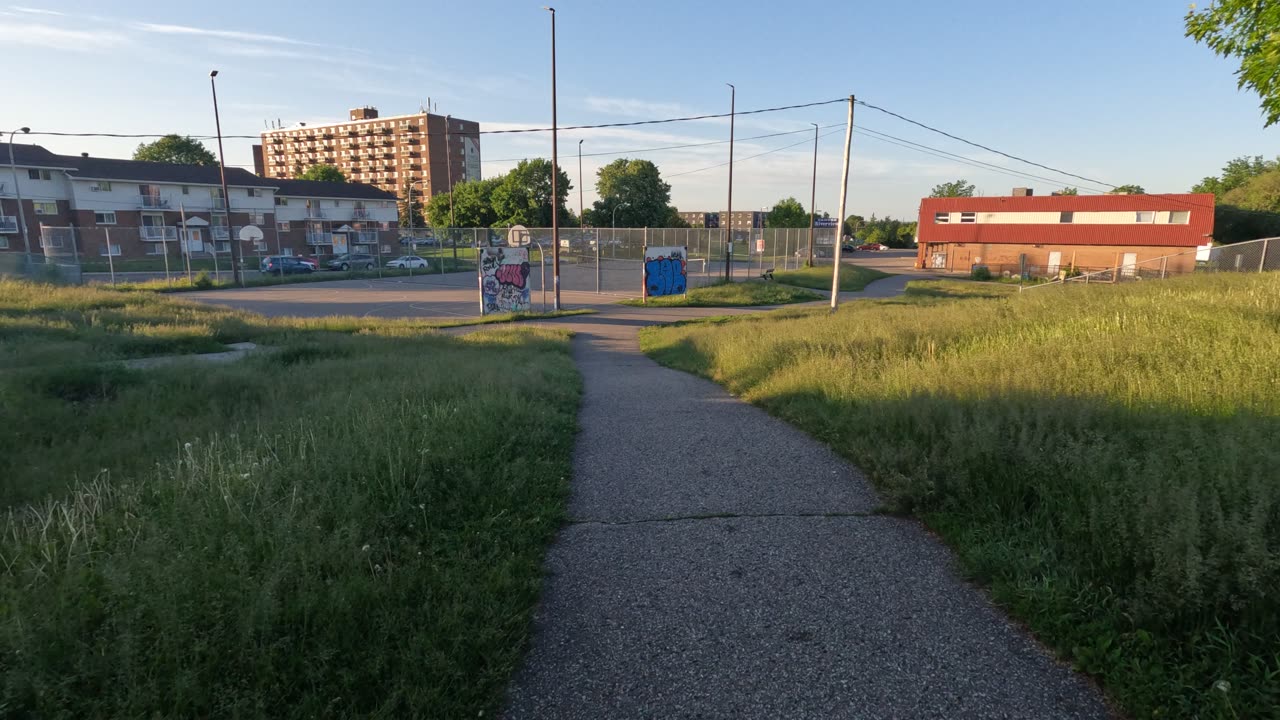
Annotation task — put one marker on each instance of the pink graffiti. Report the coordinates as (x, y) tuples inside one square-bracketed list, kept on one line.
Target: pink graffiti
[(513, 275)]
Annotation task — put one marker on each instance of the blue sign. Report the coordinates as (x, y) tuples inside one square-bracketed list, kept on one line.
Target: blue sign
[(825, 222)]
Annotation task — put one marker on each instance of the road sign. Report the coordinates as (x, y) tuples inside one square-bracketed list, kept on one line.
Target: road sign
[(825, 222)]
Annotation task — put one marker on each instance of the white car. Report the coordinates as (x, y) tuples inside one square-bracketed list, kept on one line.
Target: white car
[(408, 262)]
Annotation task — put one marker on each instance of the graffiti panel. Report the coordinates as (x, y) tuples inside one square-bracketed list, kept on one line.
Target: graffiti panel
[(665, 271), (504, 280)]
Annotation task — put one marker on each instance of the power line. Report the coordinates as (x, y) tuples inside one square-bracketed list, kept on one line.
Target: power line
[(749, 157), (984, 147), (677, 147)]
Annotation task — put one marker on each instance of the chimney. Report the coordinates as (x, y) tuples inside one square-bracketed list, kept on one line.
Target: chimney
[(1023, 192), (364, 113), (84, 154)]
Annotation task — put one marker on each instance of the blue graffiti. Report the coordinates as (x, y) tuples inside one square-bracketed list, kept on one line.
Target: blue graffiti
[(665, 275)]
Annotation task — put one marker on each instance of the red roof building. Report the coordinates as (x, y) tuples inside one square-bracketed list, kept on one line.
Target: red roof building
[(1041, 236)]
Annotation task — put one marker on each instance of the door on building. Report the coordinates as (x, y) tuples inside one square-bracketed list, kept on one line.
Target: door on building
[(340, 243), (192, 241), (938, 261), (1055, 262), (1129, 268)]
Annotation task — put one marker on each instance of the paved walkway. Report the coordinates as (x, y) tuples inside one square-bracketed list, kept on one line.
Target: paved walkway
[(722, 564)]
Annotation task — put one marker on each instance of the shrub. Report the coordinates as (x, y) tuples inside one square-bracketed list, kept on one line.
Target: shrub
[(204, 280), (980, 272)]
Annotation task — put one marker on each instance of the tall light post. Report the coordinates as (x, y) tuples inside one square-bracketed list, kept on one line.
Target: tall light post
[(232, 242), (555, 168), (813, 194), (17, 191), (581, 221), (728, 250)]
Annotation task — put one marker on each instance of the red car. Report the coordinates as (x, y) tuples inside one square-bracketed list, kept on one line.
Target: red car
[(873, 246)]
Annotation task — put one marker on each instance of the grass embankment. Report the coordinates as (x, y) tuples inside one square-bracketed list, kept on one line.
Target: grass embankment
[(1104, 458), (352, 525), (731, 294), (852, 277)]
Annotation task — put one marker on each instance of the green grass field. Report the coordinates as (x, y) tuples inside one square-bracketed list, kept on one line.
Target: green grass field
[(1103, 458), (349, 526), (852, 277), (731, 294)]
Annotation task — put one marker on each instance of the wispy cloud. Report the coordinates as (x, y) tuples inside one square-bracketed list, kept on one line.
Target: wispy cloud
[(48, 36), (222, 34), (632, 107), (265, 51), (36, 11)]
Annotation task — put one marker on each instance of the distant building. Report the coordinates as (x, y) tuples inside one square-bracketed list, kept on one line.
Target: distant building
[(1041, 236), (742, 219), (384, 152), (83, 207)]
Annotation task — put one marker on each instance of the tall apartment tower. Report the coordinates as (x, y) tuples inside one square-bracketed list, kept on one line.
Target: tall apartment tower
[(386, 152)]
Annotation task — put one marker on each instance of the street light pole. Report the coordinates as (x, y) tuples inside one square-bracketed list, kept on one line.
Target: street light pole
[(728, 252), (813, 194), (17, 191), (232, 242), (844, 196), (555, 169), (581, 222)]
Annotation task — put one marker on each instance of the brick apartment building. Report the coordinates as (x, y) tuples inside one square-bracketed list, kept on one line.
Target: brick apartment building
[(1040, 236), (430, 152), (82, 207), (742, 219)]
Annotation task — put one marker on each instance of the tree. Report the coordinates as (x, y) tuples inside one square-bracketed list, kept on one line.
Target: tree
[(472, 204), (788, 213), (1069, 191), (853, 224), (1248, 30), (1128, 190), (410, 212), (323, 173), (1261, 193), (175, 149), (958, 188), (675, 221), (636, 183), (1235, 173), (523, 197)]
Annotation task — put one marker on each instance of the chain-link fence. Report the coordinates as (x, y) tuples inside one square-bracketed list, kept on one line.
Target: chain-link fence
[(1255, 256), (606, 260)]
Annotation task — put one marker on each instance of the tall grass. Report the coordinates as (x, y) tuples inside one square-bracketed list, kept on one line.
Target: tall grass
[(731, 294), (1104, 457), (853, 278), (352, 525)]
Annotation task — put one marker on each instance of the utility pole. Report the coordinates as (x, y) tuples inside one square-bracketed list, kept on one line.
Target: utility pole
[(844, 193), (555, 169), (17, 193), (728, 251), (581, 223), (813, 193), (232, 242)]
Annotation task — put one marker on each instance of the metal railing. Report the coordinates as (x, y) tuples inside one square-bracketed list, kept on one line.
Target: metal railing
[(315, 212), (154, 201), (156, 233), (319, 238), (8, 223), (1253, 256), (360, 213)]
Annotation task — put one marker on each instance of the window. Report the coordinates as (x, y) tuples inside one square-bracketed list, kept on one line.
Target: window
[(282, 200), (941, 218), (254, 192), (1067, 216), (218, 220), (39, 175), (186, 190), (260, 246), (1179, 217), (222, 247), (149, 190), (100, 186), (968, 217), (51, 241), (283, 226), (4, 243), (1144, 216), (46, 208), (257, 218), (112, 249), (107, 217)]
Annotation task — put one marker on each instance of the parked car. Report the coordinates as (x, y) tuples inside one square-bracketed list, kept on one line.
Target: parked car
[(352, 261), (847, 248), (309, 262), (405, 262), (421, 240), (284, 265), (874, 247)]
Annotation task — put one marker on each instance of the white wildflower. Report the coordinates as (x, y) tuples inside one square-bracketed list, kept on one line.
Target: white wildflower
[(365, 548), (1222, 686)]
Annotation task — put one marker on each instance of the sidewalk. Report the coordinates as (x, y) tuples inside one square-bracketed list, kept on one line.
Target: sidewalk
[(721, 564)]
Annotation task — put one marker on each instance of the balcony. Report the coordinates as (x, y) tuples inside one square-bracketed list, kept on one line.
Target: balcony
[(8, 224), (319, 238), (315, 212), (218, 204), (153, 201), (157, 233), (362, 213)]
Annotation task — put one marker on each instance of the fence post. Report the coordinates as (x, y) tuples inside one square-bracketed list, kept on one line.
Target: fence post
[(1164, 264), (111, 264), (1262, 261)]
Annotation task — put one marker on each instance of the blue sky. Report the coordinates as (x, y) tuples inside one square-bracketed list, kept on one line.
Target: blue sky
[(1106, 89)]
